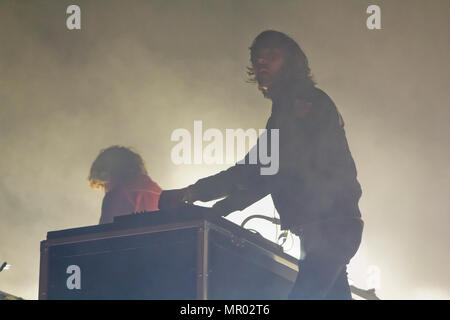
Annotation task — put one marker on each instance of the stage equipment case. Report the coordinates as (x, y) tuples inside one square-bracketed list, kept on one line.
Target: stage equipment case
[(183, 254)]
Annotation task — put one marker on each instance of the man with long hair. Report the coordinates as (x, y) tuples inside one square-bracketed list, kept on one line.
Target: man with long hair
[(121, 174), (315, 191)]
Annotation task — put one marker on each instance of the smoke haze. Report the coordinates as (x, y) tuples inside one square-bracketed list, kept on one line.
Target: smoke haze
[(138, 70)]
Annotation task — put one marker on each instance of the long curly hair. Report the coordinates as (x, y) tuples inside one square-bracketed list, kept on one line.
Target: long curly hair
[(296, 66), (114, 166)]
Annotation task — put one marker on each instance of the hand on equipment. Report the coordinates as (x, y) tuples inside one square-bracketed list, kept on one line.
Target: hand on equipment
[(176, 198), (221, 208)]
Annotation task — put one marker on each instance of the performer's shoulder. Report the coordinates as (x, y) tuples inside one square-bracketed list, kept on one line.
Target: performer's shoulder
[(325, 106), (321, 98)]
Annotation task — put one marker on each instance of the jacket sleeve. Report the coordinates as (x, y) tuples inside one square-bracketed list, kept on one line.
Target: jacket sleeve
[(239, 200), (243, 178)]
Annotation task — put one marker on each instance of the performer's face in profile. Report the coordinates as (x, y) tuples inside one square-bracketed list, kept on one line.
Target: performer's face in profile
[(267, 63)]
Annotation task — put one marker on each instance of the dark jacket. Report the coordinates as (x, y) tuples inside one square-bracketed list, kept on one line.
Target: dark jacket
[(317, 175)]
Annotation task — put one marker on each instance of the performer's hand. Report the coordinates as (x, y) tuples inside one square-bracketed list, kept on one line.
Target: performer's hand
[(221, 209), (172, 199)]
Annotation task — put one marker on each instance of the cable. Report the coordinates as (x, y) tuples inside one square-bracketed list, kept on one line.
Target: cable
[(260, 216), (274, 221), (276, 227)]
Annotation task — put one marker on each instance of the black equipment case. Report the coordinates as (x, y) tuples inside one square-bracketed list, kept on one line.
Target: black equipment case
[(187, 254)]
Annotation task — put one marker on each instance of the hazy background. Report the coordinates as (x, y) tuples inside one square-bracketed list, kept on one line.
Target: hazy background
[(137, 70)]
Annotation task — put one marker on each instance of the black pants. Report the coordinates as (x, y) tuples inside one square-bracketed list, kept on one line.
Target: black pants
[(326, 250)]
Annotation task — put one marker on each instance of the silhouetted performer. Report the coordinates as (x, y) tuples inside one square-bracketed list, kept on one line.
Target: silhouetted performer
[(121, 173), (315, 191)]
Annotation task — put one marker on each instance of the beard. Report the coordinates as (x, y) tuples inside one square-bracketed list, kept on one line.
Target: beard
[(275, 84)]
